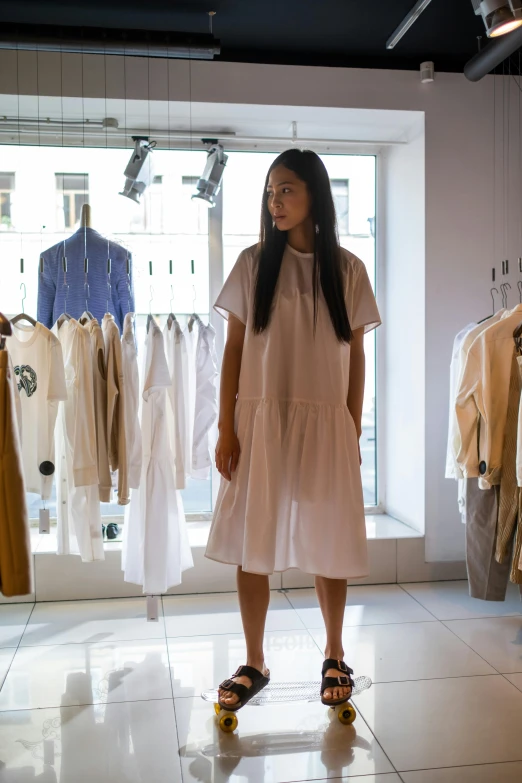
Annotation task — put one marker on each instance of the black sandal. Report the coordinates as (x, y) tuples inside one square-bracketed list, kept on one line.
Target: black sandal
[(343, 680), (259, 681)]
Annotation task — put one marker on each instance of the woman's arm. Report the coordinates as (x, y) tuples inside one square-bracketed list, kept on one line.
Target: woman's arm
[(227, 449), (357, 377)]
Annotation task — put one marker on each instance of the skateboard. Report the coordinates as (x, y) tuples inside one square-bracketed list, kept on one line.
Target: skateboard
[(275, 693)]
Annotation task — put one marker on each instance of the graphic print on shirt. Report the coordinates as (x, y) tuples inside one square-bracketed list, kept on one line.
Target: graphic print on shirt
[(28, 380)]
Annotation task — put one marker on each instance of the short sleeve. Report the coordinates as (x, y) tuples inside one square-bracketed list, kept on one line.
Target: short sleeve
[(235, 295), (360, 299)]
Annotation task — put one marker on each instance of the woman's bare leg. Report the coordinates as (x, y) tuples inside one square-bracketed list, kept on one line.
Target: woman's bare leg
[(254, 597), (332, 600)]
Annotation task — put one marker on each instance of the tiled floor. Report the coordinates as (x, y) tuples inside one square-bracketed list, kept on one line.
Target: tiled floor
[(89, 691)]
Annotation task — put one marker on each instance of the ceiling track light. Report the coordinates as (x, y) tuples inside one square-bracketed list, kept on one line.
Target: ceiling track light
[(139, 172), (209, 184), (408, 21), (499, 16)]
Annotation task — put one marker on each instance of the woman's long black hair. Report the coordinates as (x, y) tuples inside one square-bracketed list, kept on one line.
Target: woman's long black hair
[(309, 167)]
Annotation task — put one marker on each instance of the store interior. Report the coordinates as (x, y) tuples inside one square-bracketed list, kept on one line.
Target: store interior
[(130, 183)]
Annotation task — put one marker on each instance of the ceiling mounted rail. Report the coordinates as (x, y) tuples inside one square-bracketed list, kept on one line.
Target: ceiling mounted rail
[(90, 40)]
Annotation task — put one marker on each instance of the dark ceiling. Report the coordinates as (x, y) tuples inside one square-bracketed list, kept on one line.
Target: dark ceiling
[(350, 33)]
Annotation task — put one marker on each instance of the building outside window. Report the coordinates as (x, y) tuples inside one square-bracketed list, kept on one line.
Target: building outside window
[(150, 216), (73, 193), (340, 192), (7, 184), (195, 212)]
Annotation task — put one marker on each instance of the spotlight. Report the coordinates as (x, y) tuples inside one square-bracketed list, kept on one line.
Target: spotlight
[(210, 183), (139, 172), (499, 16)]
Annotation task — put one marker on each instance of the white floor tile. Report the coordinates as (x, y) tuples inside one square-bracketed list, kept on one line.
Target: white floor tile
[(445, 723), (286, 742), (6, 656), (108, 744), (451, 601), (13, 619), (516, 679), (72, 674), (368, 605), (500, 773), (91, 621), (201, 663), (497, 639), (407, 651), (201, 615)]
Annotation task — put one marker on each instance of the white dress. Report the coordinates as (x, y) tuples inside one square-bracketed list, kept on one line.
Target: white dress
[(296, 499), (156, 550)]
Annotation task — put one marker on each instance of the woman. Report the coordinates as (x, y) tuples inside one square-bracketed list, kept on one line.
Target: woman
[(292, 388)]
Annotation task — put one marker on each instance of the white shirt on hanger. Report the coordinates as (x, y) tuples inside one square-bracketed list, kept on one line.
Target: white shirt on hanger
[(156, 550), (206, 407), (132, 401), (77, 492), (176, 352), (39, 372)]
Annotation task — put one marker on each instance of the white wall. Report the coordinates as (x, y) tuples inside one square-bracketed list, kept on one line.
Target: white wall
[(458, 190), (403, 305)]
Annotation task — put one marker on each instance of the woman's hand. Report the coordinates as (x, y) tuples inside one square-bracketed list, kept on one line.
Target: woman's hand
[(227, 453)]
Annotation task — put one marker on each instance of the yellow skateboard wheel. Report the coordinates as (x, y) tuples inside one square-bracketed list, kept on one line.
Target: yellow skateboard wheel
[(346, 714), (217, 709), (228, 722)]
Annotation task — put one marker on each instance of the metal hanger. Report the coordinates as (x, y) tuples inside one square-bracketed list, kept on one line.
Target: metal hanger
[(23, 315), (65, 315), (150, 317), (172, 318), (503, 288)]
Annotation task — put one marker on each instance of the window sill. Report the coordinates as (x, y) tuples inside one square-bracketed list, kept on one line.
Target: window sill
[(378, 527)]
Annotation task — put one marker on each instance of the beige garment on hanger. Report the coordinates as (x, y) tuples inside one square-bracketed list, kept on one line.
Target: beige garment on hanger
[(16, 577), (509, 527)]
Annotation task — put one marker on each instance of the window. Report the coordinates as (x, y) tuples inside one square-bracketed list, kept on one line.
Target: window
[(194, 211), (149, 217), (6, 199), (341, 200), (176, 240), (73, 193)]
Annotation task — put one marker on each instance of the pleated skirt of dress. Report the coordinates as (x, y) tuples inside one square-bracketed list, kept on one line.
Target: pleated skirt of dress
[(296, 499)]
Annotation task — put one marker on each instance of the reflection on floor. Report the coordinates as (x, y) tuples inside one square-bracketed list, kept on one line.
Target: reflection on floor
[(91, 692)]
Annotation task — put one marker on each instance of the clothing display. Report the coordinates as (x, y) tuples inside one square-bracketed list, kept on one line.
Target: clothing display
[(116, 406), (131, 382), (16, 575), (39, 370), (156, 550), (483, 444), (483, 392), (296, 499), (57, 294), (79, 524)]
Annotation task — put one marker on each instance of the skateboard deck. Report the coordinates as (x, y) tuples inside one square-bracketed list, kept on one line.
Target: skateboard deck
[(290, 691)]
